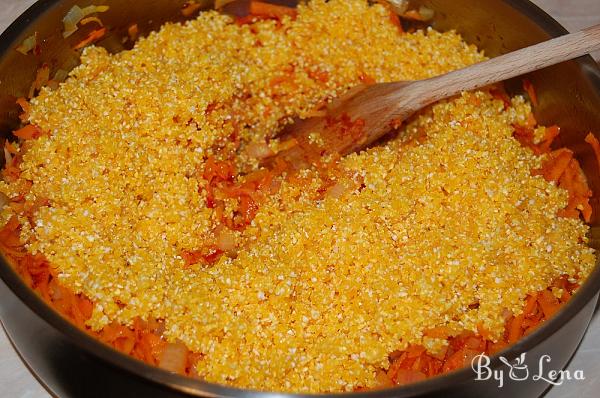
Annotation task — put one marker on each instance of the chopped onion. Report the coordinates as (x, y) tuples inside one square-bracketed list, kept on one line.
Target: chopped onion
[(60, 75), (287, 144), (4, 200), (133, 31), (174, 358), (156, 326), (336, 191), (76, 14), (259, 150), (407, 376), (426, 13), (88, 20), (28, 45), (399, 6), (506, 314), (92, 9), (71, 20), (7, 156), (383, 380)]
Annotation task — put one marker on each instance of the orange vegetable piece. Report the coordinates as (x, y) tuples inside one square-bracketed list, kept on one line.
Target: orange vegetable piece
[(459, 359), (29, 132), (26, 107), (528, 87), (440, 332), (531, 121), (321, 76), (530, 305), (88, 20), (515, 331), (133, 31), (483, 332), (92, 37), (407, 376), (394, 18), (549, 303), (218, 170), (413, 15)]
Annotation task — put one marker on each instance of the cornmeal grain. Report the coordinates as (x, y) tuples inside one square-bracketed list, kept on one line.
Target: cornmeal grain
[(322, 291)]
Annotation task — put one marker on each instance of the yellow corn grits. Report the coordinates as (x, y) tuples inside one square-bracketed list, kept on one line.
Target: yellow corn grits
[(322, 291)]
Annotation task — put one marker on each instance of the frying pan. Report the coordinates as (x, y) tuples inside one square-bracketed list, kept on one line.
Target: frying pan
[(70, 363)]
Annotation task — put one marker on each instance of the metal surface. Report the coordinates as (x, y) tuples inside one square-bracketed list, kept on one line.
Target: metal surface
[(569, 96)]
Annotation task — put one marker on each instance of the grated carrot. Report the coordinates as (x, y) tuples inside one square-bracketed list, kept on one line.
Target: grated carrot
[(593, 141), (559, 167), (548, 303), (26, 107), (551, 133), (29, 132), (530, 304), (440, 332), (321, 76), (463, 347), (530, 90), (574, 181), (42, 76), (92, 37), (206, 256), (133, 32), (553, 168)]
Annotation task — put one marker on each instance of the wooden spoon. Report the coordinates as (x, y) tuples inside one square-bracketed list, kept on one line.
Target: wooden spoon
[(367, 113)]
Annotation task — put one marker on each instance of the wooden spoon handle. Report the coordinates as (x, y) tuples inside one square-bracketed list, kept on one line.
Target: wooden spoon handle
[(513, 64)]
